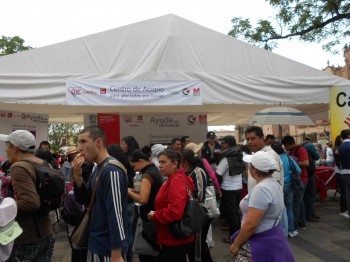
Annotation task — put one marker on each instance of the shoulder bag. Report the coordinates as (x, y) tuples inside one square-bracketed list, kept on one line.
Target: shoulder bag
[(142, 245), (210, 202), (193, 220), (80, 234), (296, 181)]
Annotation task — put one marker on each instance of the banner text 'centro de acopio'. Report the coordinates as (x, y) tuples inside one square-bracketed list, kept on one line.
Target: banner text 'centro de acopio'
[(133, 92)]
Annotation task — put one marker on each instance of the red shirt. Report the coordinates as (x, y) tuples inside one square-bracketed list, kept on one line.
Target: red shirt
[(301, 155), (170, 203)]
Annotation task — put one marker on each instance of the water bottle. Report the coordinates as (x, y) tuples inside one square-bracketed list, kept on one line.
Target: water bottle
[(137, 182)]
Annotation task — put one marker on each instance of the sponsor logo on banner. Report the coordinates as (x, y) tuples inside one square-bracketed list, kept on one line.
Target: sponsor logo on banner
[(202, 119), (191, 120), (127, 119), (92, 120), (186, 91), (2, 114), (74, 90), (103, 91), (79, 91), (196, 91), (9, 114)]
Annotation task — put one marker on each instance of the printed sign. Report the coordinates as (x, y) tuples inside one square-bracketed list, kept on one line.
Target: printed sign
[(340, 110), (37, 124), (111, 125), (133, 92), (161, 129)]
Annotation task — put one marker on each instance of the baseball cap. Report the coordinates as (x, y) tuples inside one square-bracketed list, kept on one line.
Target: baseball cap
[(22, 139), (194, 147), (211, 134), (262, 161)]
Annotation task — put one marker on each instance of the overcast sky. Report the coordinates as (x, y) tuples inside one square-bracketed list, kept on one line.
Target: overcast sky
[(45, 22)]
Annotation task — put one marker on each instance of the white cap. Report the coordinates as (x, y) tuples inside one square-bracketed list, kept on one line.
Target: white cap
[(157, 149), (262, 161), (22, 139)]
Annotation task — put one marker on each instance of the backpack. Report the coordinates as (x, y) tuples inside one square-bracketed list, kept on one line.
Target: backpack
[(71, 210), (50, 186)]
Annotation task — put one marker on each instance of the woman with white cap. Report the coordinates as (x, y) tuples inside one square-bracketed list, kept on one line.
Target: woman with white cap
[(261, 238), (156, 149)]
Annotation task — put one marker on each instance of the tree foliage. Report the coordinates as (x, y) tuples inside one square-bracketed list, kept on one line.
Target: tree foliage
[(326, 21), (11, 45), (60, 134)]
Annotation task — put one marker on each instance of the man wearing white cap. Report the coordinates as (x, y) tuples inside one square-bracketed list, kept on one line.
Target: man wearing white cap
[(37, 240)]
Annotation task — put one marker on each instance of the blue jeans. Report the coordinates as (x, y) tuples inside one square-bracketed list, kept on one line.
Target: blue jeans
[(40, 251), (288, 202), (284, 221)]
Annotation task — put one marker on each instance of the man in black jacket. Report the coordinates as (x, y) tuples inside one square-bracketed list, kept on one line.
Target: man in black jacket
[(211, 150)]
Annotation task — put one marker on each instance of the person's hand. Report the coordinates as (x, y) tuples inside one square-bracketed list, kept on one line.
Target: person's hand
[(150, 215), (220, 194), (131, 190), (77, 170), (234, 249)]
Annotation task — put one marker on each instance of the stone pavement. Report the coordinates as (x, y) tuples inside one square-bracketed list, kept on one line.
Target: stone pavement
[(328, 240)]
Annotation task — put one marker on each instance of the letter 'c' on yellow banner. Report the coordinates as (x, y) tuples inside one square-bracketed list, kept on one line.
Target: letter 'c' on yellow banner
[(340, 110)]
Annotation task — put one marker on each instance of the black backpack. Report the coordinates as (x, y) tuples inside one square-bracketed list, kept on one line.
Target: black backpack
[(50, 186)]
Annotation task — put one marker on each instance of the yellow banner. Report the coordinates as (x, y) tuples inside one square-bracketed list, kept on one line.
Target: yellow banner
[(340, 110)]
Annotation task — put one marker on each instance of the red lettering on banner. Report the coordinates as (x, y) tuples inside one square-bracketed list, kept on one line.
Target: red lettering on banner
[(196, 91)]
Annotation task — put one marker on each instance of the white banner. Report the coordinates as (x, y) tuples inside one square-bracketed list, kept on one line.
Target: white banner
[(161, 129), (35, 123), (133, 92)]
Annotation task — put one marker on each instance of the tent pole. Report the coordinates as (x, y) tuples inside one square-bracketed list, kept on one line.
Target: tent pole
[(280, 133)]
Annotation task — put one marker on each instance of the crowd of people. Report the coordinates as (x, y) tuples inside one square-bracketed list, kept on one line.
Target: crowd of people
[(265, 191)]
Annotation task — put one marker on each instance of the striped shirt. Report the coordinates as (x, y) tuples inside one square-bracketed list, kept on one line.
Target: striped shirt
[(108, 224)]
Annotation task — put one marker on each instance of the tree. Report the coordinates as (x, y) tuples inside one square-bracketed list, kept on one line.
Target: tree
[(11, 45), (61, 134), (326, 21)]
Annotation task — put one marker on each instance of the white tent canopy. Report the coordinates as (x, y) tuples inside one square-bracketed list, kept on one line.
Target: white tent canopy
[(237, 79)]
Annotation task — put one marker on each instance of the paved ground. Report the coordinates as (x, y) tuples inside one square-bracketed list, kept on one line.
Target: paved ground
[(328, 240)]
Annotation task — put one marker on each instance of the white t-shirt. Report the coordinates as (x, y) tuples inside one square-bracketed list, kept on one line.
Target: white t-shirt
[(329, 155), (228, 182)]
